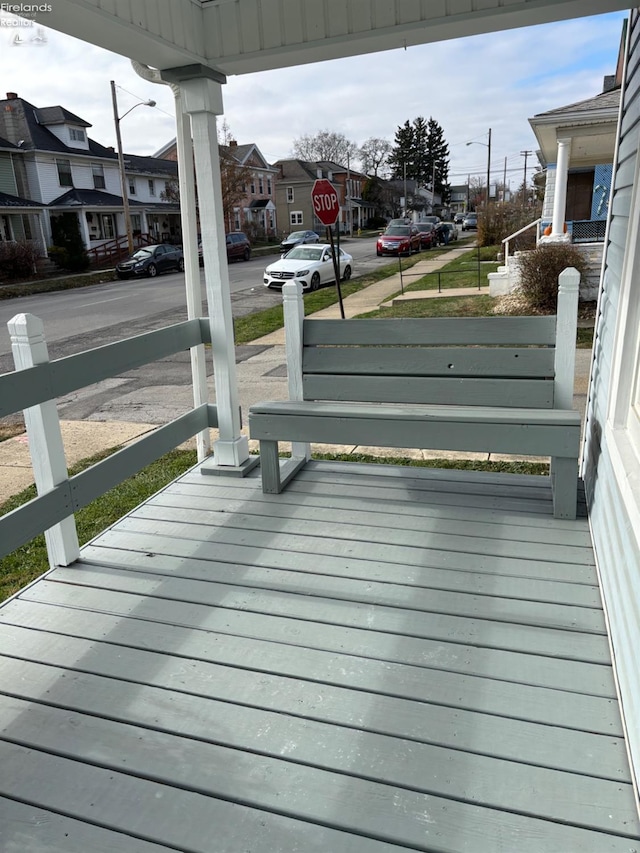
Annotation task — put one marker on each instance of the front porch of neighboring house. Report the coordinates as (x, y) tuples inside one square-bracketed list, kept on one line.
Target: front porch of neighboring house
[(261, 214), (22, 220), (102, 224), (577, 148)]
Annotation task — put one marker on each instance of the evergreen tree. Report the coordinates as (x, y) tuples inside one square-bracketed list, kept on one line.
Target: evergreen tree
[(438, 160), (421, 148)]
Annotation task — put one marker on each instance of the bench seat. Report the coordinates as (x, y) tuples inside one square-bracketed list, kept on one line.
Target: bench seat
[(485, 385)]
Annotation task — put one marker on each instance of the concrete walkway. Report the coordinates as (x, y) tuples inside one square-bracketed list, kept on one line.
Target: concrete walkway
[(260, 377)]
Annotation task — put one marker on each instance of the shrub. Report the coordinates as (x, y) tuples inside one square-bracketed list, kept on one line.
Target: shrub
[(539, 271), (499, 221), (18, 259), (70, 253)]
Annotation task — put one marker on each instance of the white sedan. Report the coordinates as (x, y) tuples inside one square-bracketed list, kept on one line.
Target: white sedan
[(310, 265)]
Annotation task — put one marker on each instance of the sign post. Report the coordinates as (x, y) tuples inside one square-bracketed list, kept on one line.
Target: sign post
[(327, 207)]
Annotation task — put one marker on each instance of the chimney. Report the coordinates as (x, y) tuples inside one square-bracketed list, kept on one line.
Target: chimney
[(233, 143), (11, 96), (609, 83)]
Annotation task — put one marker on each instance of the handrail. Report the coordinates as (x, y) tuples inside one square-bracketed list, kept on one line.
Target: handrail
[(118, 246), (506, 240), (35, 387)]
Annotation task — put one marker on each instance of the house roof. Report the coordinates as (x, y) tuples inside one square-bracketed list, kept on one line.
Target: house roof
[(10, 201), (29, 124), (98, 198), (4, 143), (590, 124), (59, 115)]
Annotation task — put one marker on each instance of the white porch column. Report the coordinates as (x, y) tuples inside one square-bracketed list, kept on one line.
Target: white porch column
[(201, 93), (84, 228), (560, 191)]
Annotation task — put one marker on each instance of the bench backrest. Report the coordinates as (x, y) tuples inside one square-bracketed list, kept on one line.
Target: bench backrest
[(464, 361), (494, 361)]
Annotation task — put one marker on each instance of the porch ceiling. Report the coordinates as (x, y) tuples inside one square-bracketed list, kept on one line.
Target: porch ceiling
[(243, 36)]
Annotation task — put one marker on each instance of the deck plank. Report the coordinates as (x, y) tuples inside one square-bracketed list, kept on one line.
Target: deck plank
[(378, 659), (485, 734), (326, 774), (422, 682), (30, 828), (186, 595)]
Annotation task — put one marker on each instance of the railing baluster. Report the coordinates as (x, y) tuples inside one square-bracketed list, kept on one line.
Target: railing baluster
[(45, 438)]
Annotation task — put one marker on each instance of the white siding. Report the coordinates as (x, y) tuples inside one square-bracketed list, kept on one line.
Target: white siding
[(615, 540), (48, 181)]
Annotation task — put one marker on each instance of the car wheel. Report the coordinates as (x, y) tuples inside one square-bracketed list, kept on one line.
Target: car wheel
[(346, 275), (379, 254), (152, 270), (247, 254), (315, 281), (181, 264)]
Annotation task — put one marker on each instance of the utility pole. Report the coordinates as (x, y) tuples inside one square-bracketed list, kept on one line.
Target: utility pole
[(525, 154), (504, 182)]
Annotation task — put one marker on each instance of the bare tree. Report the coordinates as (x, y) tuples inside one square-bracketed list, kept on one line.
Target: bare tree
[(373, 154), (325, 145)]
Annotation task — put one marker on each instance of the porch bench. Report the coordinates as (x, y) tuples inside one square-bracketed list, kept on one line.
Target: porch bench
[(495, 385)]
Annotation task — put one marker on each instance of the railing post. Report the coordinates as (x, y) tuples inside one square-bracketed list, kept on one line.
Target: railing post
[(566, 324), (45, 438), (293, 307)]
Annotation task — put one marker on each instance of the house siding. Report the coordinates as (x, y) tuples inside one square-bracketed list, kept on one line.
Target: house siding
[(614, 539)]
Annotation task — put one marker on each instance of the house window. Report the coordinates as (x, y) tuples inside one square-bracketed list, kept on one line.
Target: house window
[(152, 186), (260, 185), (236, 219), (64, 173), (98, 176), (295, 217), (108, 226), (253, 186), (136, 224), (76, 134), (289, 194), (268, 186), (132, 186)]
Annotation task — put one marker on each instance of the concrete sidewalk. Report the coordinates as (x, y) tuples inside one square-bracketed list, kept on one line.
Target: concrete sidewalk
[(260, 377)]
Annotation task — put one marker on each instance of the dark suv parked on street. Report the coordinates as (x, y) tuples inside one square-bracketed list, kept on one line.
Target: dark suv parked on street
[(238, 246)]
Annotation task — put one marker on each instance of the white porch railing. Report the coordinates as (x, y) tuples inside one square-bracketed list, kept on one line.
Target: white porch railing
[(507, 240), (34, 387)]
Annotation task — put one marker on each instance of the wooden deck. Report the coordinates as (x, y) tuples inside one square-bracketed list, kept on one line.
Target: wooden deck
[(377, 659)]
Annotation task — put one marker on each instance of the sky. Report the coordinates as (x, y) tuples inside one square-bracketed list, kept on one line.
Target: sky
[(495, 81)]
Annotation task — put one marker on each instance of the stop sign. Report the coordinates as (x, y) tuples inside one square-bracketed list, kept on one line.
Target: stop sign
[(325, 202)]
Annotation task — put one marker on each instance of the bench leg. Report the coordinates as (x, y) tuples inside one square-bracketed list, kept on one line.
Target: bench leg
[(270, 468), (564, 486)]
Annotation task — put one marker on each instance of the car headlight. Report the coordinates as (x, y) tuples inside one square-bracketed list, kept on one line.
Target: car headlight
[(302, 273)]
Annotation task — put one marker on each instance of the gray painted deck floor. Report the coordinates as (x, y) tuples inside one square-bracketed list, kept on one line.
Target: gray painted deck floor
[(377, 659)]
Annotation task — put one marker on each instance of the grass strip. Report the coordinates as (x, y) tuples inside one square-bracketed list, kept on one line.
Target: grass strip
[(30, 561)]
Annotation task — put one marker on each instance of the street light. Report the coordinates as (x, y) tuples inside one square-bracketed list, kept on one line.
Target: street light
[(123, 178), (488, 144)]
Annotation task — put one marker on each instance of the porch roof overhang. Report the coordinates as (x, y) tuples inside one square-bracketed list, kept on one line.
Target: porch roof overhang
[(592, 138), (244, 36), (15, 204)]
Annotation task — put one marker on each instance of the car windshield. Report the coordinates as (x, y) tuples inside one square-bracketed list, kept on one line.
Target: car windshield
[(397, 231), (425, 226), (297, 235), (141, 254), (305, 253)]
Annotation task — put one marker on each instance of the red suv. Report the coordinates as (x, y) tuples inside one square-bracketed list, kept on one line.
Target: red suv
[(238, 246), (398, 240)]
